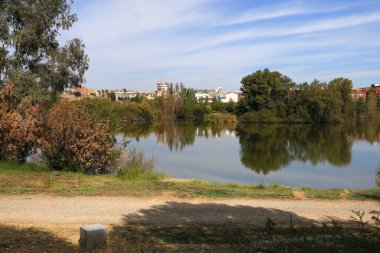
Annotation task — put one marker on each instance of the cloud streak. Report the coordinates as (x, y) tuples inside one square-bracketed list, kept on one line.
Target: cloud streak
[(205, 43)]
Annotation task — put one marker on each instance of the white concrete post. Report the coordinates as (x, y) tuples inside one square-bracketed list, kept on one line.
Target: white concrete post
[(93, 237)]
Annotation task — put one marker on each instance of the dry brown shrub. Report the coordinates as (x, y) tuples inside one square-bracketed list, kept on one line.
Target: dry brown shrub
[(298, 194), (345, 194), (20, 125), (74, 141)]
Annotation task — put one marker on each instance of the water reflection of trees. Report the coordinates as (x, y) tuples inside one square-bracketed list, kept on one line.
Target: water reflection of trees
[(137, 131), (265, 148), (269, 147), (366, 130), (178, 136)]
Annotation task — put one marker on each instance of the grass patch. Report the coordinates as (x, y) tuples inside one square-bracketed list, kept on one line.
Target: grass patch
[(221, 118), (14, 167), (241, 238), (31, 179)]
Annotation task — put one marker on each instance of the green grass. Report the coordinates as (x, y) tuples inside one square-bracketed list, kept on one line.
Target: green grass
[(221, 118), (32, 179)]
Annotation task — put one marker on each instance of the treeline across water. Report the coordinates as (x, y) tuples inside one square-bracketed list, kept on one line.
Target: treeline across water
[(269, 96), (173, 107)]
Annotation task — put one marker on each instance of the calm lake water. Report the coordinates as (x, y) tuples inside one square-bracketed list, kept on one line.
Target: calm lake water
[(323, 156)]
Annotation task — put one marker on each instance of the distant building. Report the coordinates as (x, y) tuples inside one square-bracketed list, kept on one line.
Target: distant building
[(205, 97), (162, 88), (232, 96), (218, 94), (84, 92), (125, 94), (357, 93), (79, 93), (148, 95), (376, 89)]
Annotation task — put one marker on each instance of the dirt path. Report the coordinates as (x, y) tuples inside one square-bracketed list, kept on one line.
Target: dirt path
[(38, 210), (45, 223)]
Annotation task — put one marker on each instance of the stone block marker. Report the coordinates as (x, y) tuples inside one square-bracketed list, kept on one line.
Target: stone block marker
[(93, 237)]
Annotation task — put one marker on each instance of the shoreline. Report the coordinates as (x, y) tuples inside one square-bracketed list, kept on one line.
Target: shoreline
[(26, 179)]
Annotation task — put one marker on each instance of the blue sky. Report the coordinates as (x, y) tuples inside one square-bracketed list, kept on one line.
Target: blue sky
[(134, 44)]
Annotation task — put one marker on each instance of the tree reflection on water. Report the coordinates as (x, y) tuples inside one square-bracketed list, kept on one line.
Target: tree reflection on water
[(265, 148), (270, 147)]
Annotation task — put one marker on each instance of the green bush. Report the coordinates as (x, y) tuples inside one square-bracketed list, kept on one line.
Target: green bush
[(250, 117), (129, 111), (100, 109), (133, 164), (221, 118), (263, 116)]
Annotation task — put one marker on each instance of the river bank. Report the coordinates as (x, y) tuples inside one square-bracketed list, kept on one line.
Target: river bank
[(21, 179), (154, 214)]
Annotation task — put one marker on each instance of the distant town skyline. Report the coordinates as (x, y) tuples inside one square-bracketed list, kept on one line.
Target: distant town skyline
[(134, 44)]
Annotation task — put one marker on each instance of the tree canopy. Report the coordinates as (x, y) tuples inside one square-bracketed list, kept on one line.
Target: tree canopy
[(266, 90), (31, 57), (269, 96)]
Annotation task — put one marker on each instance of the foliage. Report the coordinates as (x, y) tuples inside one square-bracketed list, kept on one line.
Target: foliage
[(375, 217), (75, 141), (217, 106), (266, 90), (134, 164), (178, 101), (101, 109), (272, 97), (112, 96), (359, 220), (31, 57), (371, 104), (263, 116), (220, 118), (360, 107), (20, 127), (128, 111)]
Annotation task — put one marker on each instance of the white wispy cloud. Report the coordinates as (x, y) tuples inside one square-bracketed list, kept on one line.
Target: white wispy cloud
[(135, 43)]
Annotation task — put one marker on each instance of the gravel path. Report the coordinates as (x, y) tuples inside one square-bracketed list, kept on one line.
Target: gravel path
[(40, 209)]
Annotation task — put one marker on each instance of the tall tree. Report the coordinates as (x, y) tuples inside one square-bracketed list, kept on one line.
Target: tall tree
[(344, 87), (371, 104), (30, 55), (265, 89)]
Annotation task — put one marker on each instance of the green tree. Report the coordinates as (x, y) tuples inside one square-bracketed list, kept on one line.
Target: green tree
[(344, 87), (371, 104), (360, 106), (112, 96), (30, 55), (265, 89), (307, 102)]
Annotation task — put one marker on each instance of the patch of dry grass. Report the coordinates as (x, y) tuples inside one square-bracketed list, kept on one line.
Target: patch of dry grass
[(298, 194)]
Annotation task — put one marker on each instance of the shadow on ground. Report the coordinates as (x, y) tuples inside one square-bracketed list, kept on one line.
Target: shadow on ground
[(32, 240), (185, 227), (209, 213), (370, 194)]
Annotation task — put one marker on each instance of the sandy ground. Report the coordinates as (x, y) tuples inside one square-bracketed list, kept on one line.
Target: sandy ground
[(64, 215), (113, 210)]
